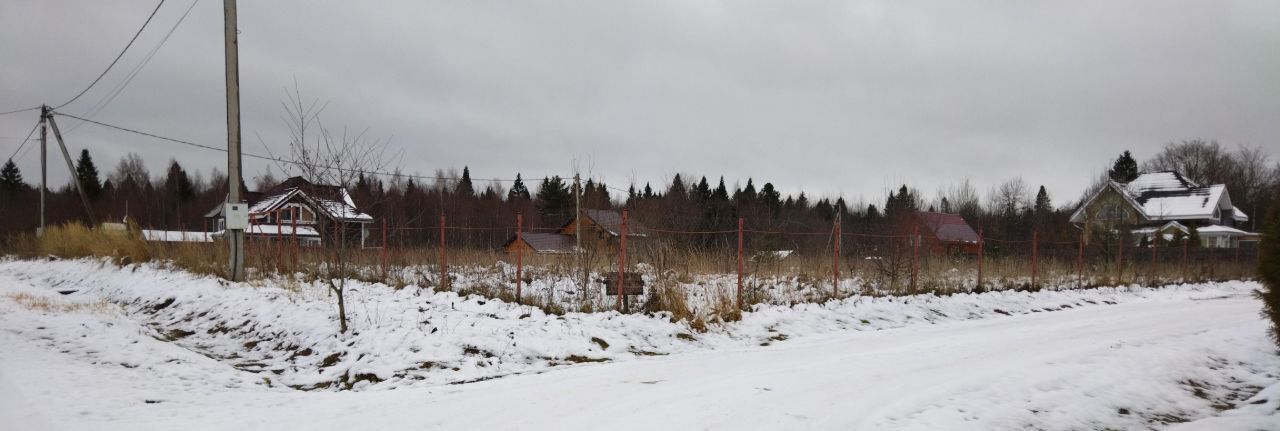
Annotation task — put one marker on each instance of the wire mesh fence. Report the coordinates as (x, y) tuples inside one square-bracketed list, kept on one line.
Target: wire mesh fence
[(725, 268)]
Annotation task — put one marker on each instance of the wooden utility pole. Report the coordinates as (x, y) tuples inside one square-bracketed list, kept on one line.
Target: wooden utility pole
[(235, 237), (577, 235), (44, 176), (75, 179)]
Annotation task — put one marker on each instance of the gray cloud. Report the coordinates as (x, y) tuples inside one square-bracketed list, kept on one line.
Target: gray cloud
[(829, 97)]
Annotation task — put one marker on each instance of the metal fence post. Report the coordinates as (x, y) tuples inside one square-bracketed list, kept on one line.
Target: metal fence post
[(519, 254), (384, 250), (444, 258), (1035, 236), (981, 245), (1080, 261), (739, 297), (1184, 259), (915, 256), (1120, 261), (622, 259), (835, 260)]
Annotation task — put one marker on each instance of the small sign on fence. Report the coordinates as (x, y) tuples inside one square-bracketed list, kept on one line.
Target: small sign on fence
[(633, 284)]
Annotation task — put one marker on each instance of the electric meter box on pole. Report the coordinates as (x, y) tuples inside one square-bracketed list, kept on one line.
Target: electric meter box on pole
[(237, 216)]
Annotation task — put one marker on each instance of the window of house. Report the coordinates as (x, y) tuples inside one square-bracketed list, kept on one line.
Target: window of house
[(1111, 212)]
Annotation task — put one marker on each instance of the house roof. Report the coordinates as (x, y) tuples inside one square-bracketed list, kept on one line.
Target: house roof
[(333, 201), (948, 227), (611, 222), (1168, 195), (546, 242)]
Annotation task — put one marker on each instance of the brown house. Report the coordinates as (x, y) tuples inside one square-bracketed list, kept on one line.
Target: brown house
[(598, 226), (943, 233), (314, 214)]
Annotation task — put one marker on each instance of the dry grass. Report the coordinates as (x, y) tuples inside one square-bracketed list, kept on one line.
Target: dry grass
[(667, 296), (74, 240), (47, 304)]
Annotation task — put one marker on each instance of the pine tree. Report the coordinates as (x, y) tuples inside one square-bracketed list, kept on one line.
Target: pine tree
[(702, 191), (464, 188), (518, 190), (1043, 205), (677, 190), (11, 179), (87, 173), (178, 184), (648, 191), (721, 194), (770, 197), (945, 205), (1125, 168), (1269, 271), (554, 199)]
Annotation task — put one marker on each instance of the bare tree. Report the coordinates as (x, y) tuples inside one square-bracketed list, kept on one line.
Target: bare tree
[(339, 159)]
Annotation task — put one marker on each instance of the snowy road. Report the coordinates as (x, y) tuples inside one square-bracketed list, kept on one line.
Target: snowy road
[(1086, 368)]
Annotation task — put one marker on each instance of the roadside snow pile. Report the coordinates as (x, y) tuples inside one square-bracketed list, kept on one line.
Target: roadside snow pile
[(286, 332)]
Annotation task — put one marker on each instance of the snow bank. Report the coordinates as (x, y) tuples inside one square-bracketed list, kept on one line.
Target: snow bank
[(287, 332)]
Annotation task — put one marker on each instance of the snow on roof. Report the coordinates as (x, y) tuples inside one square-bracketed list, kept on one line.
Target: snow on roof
[(1168, 195), (1223, 230), (175, 236), (547, 242)]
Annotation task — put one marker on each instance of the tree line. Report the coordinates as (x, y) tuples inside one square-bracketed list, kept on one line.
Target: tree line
[(177, 199)]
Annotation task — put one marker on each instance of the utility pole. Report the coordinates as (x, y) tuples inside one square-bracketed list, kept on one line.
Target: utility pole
[(577, 233), (44, 176), (75, 179), (235, 237)]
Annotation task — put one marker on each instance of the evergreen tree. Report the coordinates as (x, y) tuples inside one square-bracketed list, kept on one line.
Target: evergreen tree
[(87, 173), (770, 197), (178, 184), (702, 191), (1269, 270), (802, 202), (946, 206), (554, 199), (1043, 205), (1125, 168), (1193, 236), (872, 212), (464, 188), (11, 179), (721, 194), (648, 191), (678, 189), (518, 190)]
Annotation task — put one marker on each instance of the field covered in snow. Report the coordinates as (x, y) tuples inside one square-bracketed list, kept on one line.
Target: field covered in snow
[(145, 347)]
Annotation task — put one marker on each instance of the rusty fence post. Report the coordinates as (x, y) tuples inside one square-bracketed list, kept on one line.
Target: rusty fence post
[(293, 221), (981, 245), (915, 255), (1184, 259), (1035, 250), (1120, 262), (622, 260), (520, 254), (835, 260), (384, 250), (739, 297), (1080, 261), (1154, 265), (444, 258)]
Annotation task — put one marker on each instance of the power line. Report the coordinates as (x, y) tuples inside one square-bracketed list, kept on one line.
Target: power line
[(15, 111), (117, 59), (281, 160), (24, 141), (119, 88)]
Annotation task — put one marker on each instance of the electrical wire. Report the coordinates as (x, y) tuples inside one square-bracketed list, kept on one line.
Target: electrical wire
[(24, 141), (277, 159), (119, 88), (118, 56)]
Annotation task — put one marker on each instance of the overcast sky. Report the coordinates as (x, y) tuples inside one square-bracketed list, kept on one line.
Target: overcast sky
[(831, 97)]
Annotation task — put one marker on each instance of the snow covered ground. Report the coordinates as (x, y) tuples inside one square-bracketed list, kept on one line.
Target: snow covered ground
[(144, 347)]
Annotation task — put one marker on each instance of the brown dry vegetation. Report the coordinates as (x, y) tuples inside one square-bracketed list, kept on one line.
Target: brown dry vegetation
[(673, 270)]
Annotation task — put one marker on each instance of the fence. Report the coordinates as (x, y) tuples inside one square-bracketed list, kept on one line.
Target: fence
[(749, 263)]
